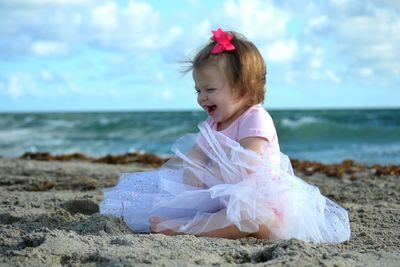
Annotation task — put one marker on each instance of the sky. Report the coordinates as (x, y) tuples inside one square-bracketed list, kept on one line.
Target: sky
[(103, 55)]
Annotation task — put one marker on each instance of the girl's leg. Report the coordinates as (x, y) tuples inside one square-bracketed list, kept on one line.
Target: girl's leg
[(230, 231), (153, 224)]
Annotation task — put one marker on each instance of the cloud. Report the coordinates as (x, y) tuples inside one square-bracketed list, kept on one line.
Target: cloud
[(130, 28), (41, 3), (282, 50), (50, 28), (372, 40), (46, 75), (262, 22), (331, 75), (362, 33), (258, 20), (366, 72), (20, 85), (335, 42), (166, 95), (105, 16), (48, 48), (106, 47), (317, 23)]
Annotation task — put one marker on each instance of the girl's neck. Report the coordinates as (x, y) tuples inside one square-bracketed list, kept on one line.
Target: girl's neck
[(224, 125)]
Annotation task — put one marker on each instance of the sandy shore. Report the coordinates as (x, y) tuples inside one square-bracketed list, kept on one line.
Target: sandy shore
[(49, 217)]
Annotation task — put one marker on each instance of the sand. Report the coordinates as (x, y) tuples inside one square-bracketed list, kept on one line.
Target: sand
[(49, 217)]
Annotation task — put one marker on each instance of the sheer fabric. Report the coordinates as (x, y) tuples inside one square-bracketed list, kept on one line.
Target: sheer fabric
[(239, 187)]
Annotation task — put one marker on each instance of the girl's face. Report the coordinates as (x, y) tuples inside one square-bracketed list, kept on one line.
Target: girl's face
[(215, 95)]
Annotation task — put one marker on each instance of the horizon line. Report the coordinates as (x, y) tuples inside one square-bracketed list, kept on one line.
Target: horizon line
[(197, 110)]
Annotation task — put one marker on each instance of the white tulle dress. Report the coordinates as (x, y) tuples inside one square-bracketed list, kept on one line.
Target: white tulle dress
[(240, 188)]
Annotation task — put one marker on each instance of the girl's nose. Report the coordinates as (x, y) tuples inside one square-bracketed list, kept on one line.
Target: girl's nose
[(202, 96)]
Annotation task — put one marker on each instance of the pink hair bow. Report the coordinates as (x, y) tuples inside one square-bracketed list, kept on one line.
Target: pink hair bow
[(223, 41)]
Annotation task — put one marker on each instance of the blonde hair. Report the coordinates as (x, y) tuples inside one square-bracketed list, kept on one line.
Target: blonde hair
[(244, 67)]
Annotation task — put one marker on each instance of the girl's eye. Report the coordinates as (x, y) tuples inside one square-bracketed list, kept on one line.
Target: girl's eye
[(208, 90)]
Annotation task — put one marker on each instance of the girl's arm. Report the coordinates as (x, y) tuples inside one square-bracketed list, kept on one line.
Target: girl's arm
[(254, 143), (190, 178)]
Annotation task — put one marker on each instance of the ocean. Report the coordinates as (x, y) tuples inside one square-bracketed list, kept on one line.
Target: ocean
[(328, 136)]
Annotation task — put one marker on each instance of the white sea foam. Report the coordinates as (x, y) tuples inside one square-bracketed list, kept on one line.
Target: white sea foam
[(107, 120), (28, 119), (60, 123), (296, 123), (169, 131), (14, 135)]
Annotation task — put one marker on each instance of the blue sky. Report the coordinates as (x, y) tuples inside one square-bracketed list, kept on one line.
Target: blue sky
[(86, 55)]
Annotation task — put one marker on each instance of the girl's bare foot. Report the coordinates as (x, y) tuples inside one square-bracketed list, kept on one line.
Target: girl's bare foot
[(154, 221), (263, 232)]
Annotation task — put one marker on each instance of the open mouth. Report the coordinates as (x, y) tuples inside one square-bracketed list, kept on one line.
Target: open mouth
[(211, 109)]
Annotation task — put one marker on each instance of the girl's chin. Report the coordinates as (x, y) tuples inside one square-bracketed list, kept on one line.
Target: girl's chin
[(212, 113)]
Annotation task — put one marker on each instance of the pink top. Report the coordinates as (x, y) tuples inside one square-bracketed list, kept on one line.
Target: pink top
[(254, 122)]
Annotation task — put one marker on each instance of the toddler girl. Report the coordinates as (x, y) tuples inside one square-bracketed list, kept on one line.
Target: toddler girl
[(230, 179)]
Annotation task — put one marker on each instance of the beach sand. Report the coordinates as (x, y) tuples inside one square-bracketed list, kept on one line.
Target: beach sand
[(49, 217)]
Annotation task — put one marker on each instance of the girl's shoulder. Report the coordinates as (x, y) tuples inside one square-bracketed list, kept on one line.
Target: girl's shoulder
[(256, 114), (256, 121)]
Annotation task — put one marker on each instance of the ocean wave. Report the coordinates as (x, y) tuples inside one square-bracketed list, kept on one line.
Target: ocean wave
[(14, 135), (328, 136), (364, 153), (296, 123), (28, 119), (104, 121), (59, 123)]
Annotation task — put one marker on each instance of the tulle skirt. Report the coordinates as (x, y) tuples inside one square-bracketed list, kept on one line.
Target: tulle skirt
[(234, 186)]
